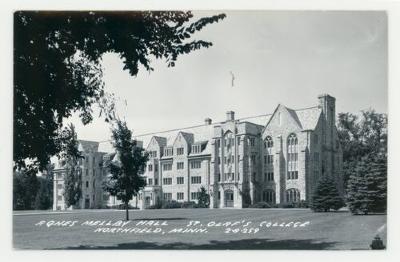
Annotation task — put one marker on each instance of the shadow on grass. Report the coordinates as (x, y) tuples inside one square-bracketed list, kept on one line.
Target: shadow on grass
[(248, 244), (159, 218)]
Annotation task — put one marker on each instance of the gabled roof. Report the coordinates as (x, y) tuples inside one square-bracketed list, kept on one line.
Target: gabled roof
[(306, 118), (188, 137), (309, 117), (162, 141)]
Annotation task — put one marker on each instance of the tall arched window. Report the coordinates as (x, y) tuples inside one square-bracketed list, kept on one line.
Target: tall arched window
[(292, 157), (269, 156), (292, 195), (269, 196)]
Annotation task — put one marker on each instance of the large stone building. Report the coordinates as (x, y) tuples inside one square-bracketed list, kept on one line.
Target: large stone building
[(275, 158)]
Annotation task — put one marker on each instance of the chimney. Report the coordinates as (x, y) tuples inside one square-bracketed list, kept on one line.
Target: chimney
[(207, 121), (230, 116)]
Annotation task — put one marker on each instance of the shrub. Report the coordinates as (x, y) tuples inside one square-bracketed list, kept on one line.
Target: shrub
[(261, 205), (171, 204), (188, 204)]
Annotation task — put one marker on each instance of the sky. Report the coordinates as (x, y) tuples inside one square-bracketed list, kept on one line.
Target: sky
[(287, 57)]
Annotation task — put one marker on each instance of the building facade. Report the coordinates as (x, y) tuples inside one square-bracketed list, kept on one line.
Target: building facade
[(276, 159)]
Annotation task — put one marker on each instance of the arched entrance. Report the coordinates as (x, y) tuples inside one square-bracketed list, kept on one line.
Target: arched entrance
[(228, 198)]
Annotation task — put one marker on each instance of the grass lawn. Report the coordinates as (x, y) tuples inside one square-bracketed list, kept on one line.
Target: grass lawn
[(336, 230)]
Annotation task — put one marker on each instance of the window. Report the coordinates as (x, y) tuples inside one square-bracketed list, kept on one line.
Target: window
[(167, 180), (195, 180), (252, 141), (293, 175), (155, 167), (150, 168), (195, 164), (238, 176), (167, 166), (279, 118), (238, 140), (59, 198), (94, 183), (268, 176), (168, 151), (59, 186), (180, 151), (219, 160), (87, 172), (86, 159), (179, 196), (179, 165), (94, 172), (219, 195), (156, 181), (269, 196), (253, 159), (292, 157), (180, 180), (93, 160), (219, 177), (195, 195), (218, 143), (196, 149), (153, 154), (229, 176), (292, 195), (87, 184), (167, 196), (150, 181)]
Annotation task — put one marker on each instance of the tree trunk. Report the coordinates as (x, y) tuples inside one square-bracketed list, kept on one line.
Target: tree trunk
[(127, 211)]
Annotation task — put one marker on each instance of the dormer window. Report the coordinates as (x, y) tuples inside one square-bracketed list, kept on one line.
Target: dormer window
[(168, 151), (180, 151), (196, 149)]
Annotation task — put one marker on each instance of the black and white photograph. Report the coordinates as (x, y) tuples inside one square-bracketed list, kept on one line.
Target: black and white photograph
[(200, 130)]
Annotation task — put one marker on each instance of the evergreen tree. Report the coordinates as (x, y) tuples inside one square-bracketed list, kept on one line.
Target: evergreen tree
[(204, 198), (326, 196), (367, 187), (125, 181)]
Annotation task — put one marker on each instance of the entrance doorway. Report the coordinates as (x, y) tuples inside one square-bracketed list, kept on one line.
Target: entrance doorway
[(228, 198), (87, 203), (147, 202)]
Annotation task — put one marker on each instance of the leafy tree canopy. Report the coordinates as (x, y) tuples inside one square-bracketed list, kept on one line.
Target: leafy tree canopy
[(362, 135), (125, 180), (57, 67)]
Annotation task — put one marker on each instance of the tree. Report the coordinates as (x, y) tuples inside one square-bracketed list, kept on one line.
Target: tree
[(326, 196), (25, 188), (125, 180), (44, 196), (57, 67), (203, 198), (361, 136), (367, 187), (73, 176)]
